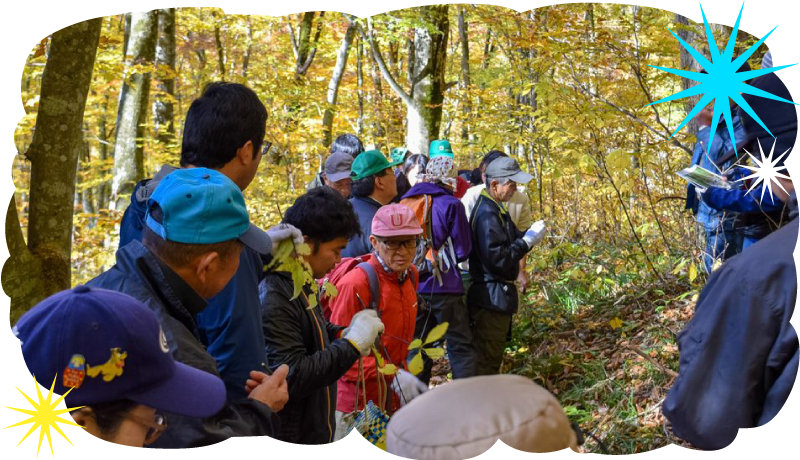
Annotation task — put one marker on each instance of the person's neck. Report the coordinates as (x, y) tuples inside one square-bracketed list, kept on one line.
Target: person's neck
[(380, 198), (188, 276)]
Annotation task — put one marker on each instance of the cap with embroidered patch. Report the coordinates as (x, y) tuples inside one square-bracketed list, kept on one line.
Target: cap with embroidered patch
[(440, 148), (105, 346), (369, 163)]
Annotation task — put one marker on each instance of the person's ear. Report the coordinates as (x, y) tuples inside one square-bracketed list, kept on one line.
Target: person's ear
[(245, 153), (207, 267), (82, 416), (374, 242)]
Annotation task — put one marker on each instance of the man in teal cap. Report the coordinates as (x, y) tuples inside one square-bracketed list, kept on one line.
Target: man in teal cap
[(374, 185)]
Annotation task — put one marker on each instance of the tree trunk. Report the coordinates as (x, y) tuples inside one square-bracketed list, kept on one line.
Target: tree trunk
[(430, 58), (42, 266), (336, 79), (163, 111), (128, 149), (360, 83), (464, 81), (220, 48), (686, 30), (249, 49)]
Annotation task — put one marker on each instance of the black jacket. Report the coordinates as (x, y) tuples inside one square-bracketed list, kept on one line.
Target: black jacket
[(301, 338), (739, 354), (139, 274), (365, 209), (494, 262)]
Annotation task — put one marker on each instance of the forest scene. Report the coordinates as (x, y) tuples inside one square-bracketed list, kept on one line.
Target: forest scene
[(562, 89)]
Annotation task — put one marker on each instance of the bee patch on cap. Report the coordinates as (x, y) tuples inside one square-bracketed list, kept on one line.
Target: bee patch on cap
[(75, 372)]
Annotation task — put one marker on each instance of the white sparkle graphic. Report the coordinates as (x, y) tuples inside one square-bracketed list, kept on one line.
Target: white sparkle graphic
[(766, 171)]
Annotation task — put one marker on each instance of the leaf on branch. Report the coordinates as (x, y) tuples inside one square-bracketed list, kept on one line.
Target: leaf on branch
[(434, 353), (415, 366), (436, 333), (416, 343)]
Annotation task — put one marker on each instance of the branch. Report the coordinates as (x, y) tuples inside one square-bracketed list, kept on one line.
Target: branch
[(293, 40), (387, 75), (644, 355), (302, 70), (449, 85)]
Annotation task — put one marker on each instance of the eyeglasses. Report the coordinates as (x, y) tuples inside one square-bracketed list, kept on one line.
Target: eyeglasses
[(155, 426), (267, 146), (394, 245)]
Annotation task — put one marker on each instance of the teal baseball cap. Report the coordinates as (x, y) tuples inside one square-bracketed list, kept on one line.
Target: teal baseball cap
[(440, 148), (399, 153), (369, 163), (203, 206)]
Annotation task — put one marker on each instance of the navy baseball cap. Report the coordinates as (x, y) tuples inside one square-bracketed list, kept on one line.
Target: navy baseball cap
[(203, 206), (106, 346)]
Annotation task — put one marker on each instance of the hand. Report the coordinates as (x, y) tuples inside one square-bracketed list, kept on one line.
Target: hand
[(271, 390), (407, 386), (535, 234), (363, 330), (523, 280), (282, 232), (699, 191)]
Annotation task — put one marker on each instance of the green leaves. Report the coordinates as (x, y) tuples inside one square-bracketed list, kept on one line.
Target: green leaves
[(383, 368), (416, 364), (288, 258)]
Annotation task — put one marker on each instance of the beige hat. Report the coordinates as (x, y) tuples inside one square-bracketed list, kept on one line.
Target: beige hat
[(465, 418)]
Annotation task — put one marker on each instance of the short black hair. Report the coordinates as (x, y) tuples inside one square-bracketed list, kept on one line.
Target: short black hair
[(490, 157), (220, 122), (349, 144), (475, 177), (109, 415), (366, 185), (323, 215), (414, 160)]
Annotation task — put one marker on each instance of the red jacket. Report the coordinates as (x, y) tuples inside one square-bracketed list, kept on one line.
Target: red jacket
[(397, 308)]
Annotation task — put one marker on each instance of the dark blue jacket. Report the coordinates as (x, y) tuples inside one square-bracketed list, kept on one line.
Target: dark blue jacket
[(365, 209), (721, 143), (231, 324), (741, 201), (739, 354), (139, 274)]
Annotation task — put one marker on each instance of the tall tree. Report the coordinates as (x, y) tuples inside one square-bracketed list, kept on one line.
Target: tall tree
[(336, 80), (464, 81), (163, 111), (426, 96), (41, 267), (128, 150)]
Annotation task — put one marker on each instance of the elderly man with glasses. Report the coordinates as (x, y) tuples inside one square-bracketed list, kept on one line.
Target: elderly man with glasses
[(386, 281)]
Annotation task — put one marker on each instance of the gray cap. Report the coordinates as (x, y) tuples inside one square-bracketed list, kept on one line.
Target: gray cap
[(337, 167), (507, 167)]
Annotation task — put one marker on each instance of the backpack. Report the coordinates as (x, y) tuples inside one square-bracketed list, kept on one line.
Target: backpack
[(345, 266), (429, 259)]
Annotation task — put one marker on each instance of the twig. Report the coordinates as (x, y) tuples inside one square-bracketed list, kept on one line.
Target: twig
[(644, 355)]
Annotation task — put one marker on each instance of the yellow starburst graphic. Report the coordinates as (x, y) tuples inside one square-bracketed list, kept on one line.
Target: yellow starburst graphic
[(44, 416)]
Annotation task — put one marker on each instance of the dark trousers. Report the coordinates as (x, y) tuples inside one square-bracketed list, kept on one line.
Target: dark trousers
[(489, 333), (448, 308)]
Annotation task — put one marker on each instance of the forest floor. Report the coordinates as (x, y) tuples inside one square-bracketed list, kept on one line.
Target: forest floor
[(608, 355)]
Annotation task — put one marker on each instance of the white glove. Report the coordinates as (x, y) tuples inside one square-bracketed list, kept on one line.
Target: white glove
[(535, 234), (363, 330), (699, 191), (282, 232), (407, 386)]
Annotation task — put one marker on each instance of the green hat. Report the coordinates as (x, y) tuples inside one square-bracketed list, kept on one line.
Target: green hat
[(440, 148), (369, 163), (399, 153)]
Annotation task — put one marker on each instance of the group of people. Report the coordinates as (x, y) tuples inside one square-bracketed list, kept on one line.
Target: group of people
[(193, 329)]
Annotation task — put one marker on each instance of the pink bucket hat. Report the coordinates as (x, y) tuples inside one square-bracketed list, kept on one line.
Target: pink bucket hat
[(395, 220)]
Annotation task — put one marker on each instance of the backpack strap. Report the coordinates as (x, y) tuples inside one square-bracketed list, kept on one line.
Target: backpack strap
[(372, 276)]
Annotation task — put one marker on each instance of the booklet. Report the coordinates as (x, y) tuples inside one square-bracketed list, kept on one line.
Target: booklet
[(703, 178)]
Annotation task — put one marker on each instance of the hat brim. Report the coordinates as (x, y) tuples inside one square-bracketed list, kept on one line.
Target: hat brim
[(390, 164), (336, 177), (189, 392), (521, 177), (401, 232), (257, 240)]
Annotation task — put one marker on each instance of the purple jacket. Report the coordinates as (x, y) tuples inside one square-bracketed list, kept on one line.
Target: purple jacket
[(448, 219)]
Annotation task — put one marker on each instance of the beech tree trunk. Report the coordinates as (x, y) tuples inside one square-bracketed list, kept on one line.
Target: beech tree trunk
[(163, 111), (128, 149), (333, 85), (40, 267)]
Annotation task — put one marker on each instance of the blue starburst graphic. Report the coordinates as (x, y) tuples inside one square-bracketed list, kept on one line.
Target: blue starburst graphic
[(722, 81)]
